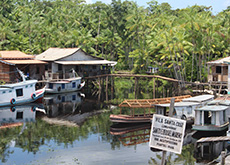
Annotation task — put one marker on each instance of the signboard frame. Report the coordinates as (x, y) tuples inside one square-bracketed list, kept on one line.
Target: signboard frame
[(167, 133)]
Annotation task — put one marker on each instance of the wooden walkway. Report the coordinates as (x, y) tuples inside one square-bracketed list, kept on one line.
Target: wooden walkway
[(133, 75), (213, 139)]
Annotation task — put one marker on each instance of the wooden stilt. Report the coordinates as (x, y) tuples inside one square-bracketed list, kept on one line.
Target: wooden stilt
[(106, 88), (154, 89)]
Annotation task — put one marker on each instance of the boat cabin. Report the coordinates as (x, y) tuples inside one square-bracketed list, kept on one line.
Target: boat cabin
[(211, 118)]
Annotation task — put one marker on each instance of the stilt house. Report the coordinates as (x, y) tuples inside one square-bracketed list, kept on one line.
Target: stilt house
[(9, 60), (218, 70), (62, 60)]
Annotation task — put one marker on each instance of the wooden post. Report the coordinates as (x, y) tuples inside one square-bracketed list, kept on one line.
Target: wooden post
[(136, 86), (163, 159), (157, 88), (112, 87), (106, 88), (154, 89), (222, 72), (223, 158), (228, 79), (99, 95)]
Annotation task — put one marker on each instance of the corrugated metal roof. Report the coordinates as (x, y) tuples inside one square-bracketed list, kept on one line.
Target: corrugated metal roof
[(14, 54), (220, 61), (53, 54), (24, 61), (88, 62), (213, 108), (179, 104), (200, 98)]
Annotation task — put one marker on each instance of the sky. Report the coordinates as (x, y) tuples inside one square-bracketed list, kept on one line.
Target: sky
[(217, 5)]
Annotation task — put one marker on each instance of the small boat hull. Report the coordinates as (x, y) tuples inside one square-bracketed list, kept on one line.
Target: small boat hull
[(209, 128), (10, 97), (131, 119), (63, 86)]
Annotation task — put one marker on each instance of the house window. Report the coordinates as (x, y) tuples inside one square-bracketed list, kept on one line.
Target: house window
[(94, 67), (19, 92), (76, 68), (218, 69), (38, 70), (46, 67), (63, 86), (74, 85), (59, 67)]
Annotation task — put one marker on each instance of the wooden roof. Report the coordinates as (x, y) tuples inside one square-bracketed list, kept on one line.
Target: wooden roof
[(53, 54), (30, 61), (14, 54), (149, 103), (222, 61)]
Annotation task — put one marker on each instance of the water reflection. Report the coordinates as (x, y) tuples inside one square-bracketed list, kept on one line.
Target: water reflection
[(61, 104), (16, 115), (131, 134), (68, 109), (96, 137), (206, 152)]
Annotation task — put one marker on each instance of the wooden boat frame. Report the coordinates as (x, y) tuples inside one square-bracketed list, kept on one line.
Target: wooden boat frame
[(141, 103)]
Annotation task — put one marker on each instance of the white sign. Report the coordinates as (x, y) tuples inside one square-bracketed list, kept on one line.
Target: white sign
[(167, 133)]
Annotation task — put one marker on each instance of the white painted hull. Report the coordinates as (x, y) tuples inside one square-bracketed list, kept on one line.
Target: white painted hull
[(20, 93), (63, 86), (210, 127)]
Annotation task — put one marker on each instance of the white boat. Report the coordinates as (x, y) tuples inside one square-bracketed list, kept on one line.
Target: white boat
[(186, 108), (213, 117), (20, 93), (65, 85)]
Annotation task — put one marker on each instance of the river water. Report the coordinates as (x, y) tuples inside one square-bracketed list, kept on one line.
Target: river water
[(72, 128)]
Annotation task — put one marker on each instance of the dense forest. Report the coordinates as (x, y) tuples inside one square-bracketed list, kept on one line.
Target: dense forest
[(179, 42)]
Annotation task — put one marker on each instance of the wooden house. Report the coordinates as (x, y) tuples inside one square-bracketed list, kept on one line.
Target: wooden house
[(218, 70), (9, 60), (62, 60)]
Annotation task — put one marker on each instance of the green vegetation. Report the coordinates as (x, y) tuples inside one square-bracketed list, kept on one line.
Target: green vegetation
[(179, 42)]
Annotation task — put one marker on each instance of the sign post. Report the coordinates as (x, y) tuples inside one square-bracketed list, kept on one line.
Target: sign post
[(167, 133)]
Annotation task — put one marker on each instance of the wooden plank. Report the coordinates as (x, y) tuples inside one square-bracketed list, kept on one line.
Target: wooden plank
[(213, 139)]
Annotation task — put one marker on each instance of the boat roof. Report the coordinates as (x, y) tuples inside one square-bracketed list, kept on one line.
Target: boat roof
[(200, 98), (219, 102), (179, 104), (213, 108), (63, 81), (27, 82)]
